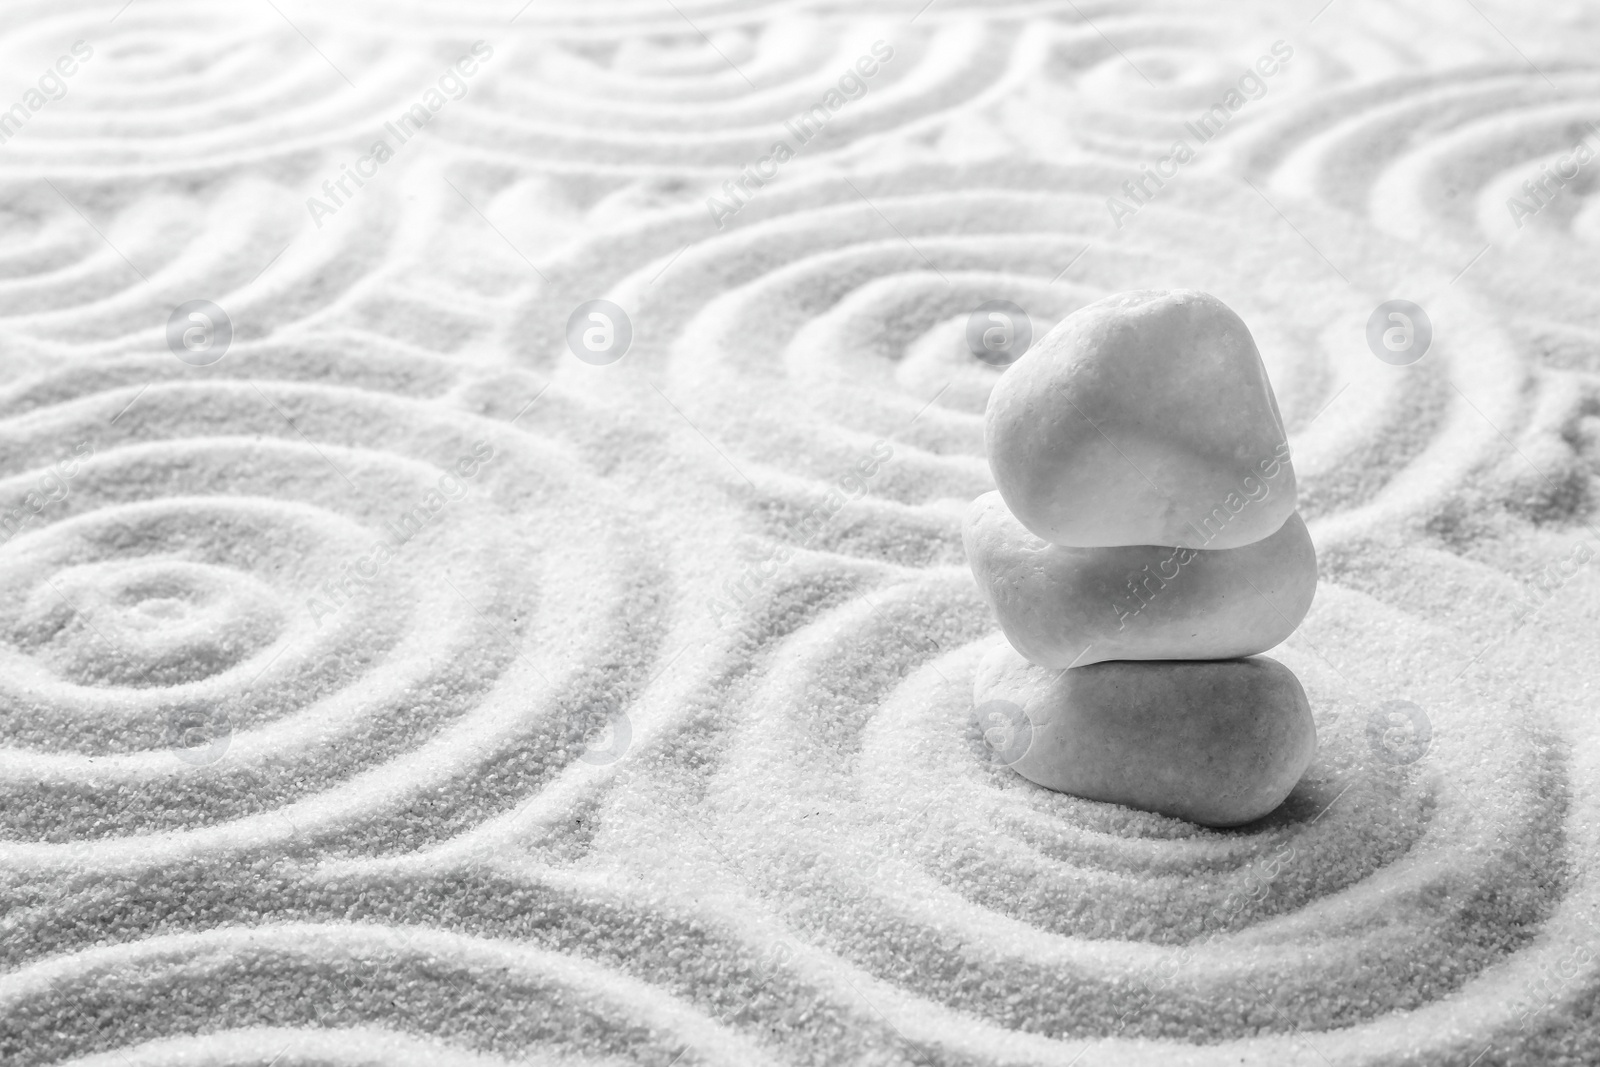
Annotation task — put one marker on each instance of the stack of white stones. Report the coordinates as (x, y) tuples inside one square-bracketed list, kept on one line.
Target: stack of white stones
[(1142, 548)]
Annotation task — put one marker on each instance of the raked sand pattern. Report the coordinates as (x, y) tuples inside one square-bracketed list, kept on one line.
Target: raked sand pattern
[(401, 689)]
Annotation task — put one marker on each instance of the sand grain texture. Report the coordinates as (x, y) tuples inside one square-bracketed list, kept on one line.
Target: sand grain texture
[(654, 743)]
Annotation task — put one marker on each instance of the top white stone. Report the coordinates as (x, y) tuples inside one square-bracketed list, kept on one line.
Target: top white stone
[(1145, 418)]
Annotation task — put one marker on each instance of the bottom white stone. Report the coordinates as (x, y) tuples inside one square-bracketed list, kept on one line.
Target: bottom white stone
[(1217, 742)]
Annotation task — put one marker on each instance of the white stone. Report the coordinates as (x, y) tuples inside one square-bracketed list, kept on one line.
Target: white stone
[(1217, 742), (1145, 418), (1066, 607)]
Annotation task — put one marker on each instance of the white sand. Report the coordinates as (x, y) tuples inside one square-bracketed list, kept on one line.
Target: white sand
[(647, 749)]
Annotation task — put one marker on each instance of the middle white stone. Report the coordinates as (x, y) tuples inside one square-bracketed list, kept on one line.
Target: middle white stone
[(1068, 607)]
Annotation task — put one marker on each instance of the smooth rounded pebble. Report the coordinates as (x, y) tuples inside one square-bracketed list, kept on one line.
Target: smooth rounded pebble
[(1145, 418), (1218, 742), (1069, 607)]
